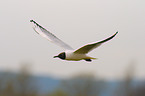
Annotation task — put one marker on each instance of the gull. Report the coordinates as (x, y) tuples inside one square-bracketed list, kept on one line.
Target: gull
[(69, 53)]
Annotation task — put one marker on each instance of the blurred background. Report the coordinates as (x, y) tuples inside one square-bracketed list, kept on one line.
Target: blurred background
[(27, 67)]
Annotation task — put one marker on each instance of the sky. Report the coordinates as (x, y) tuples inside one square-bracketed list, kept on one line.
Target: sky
[(76, 22)]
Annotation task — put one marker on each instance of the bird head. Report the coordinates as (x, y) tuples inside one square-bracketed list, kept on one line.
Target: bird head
[(61, 56)]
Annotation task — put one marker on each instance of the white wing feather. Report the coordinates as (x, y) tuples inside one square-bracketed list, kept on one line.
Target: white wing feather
[(49, 36)]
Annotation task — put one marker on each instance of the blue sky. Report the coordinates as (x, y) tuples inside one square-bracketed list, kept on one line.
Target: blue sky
[(76, 22)]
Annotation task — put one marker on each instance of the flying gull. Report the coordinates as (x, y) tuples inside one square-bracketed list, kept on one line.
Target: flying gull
[(69, 53)]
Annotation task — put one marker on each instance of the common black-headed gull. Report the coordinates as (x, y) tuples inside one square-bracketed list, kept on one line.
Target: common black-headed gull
[(69, 53)]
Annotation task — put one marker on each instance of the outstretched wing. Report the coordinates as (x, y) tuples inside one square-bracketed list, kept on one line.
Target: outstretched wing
[(87, 48), (49, 36)]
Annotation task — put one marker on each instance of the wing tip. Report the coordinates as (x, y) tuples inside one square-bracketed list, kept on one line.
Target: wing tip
[(37, 24), (116, 33), (31, 20)]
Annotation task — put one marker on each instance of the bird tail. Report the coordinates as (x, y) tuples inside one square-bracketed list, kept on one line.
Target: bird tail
[(91, 58)]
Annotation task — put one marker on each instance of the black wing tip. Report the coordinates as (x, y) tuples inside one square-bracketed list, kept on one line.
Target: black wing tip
[(32, 21), (108, 38), (36, 24), (116, 33)]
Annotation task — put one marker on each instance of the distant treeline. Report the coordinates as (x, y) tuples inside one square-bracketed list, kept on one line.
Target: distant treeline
[(24, 84)]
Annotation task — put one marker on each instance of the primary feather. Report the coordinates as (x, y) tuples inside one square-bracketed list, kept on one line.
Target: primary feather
[(49, 36)]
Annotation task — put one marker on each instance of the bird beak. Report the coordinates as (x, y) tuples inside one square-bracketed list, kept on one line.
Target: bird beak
[(55, 56)]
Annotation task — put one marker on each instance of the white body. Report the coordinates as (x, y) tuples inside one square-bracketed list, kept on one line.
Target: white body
[(70, 55)]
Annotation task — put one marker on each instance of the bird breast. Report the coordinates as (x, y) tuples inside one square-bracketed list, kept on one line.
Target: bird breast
[(74, 56)]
